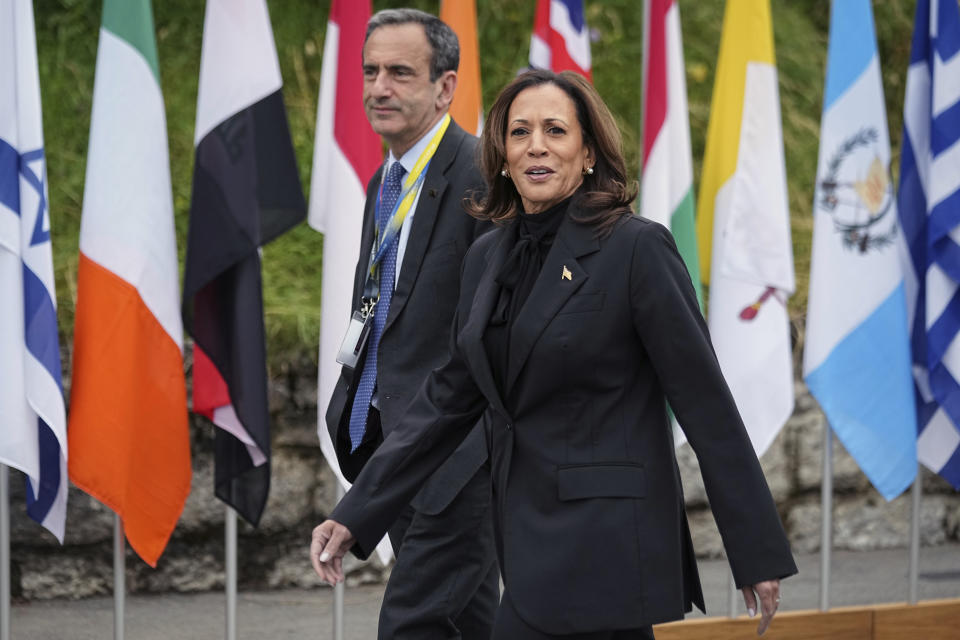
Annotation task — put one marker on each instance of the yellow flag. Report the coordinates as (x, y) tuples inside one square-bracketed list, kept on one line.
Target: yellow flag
[(747, 37)]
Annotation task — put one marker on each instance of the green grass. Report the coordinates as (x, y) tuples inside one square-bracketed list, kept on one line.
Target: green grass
[(67, 43)]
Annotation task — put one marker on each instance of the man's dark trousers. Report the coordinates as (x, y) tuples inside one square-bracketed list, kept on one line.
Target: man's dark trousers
[(445, 578)]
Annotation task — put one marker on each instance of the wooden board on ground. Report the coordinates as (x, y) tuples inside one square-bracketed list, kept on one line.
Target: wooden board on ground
[(932, 620)]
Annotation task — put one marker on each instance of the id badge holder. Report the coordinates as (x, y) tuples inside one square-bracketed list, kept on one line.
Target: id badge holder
[(355, 339)]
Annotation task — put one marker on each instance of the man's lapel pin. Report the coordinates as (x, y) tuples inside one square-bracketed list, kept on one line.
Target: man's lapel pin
[(567, 275)]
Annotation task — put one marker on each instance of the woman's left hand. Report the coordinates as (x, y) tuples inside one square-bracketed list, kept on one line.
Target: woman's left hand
[(768, 592)]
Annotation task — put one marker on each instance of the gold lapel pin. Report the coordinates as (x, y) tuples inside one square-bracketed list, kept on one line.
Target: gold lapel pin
[(567, 275)]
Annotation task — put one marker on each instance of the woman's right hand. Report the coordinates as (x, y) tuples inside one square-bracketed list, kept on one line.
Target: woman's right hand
[(768, 593), (330, 542)]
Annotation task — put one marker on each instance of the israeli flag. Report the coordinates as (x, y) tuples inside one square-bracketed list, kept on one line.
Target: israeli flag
[(857, 358), (33, 433), (929, 203)]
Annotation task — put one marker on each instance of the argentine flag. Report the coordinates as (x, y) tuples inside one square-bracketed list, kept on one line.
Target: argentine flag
[(857, 361), (33, 426), (929, 204)]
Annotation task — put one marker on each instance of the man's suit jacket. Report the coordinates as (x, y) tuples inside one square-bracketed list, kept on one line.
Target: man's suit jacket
[(416, 334), (589, 510)]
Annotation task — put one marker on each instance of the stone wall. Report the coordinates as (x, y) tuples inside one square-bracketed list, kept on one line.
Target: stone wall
[(302, 492)]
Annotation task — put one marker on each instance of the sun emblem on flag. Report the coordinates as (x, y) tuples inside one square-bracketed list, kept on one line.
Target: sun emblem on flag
[(857, 193)]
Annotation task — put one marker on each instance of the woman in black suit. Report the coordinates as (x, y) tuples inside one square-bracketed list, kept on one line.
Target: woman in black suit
[(577, 323)]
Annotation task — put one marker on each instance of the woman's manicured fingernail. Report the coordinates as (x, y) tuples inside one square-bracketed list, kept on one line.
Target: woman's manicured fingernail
[(324, 556), (750, 612)]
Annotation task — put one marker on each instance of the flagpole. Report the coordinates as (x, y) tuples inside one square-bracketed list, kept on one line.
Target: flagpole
[(4, 552), (643, 79), (732, 596), (119, 577), (338, 589), (915, 499), (826, 516), (231, 578)]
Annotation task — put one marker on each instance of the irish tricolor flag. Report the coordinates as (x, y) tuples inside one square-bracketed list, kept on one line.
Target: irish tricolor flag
[(666, 192), (743, 224), (129, 445)]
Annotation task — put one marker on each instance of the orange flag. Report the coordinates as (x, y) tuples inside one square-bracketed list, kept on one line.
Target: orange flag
[(467, 107)]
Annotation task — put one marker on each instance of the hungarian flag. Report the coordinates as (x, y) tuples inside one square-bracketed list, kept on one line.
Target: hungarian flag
[(666, 184), (743, 224), (467, 106), (246, 192), (129, 443), (666, 191), (561, 39), (33, 423)]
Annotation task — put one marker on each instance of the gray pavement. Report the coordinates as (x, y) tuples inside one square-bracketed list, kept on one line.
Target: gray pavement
[(858, 578)]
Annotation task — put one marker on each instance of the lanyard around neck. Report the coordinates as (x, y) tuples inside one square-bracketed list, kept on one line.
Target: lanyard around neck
[(405, 201), (371, 290)]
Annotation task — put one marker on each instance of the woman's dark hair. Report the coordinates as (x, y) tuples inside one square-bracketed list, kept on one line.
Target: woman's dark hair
[(605, 195)]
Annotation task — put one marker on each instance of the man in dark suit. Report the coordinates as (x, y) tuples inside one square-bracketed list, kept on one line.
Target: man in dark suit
[(415, 233)]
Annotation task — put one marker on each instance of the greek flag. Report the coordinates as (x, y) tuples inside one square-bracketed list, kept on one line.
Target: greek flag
[(33, 433), (929, 205), (857, 357)]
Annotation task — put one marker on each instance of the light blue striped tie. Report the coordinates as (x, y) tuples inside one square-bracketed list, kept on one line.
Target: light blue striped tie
[(388, 270)]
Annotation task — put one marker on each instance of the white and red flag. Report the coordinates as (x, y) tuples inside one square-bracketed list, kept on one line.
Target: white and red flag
[(561, 39), (346, 155)]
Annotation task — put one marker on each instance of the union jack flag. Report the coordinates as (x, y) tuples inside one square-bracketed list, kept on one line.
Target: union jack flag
[(561, 40)]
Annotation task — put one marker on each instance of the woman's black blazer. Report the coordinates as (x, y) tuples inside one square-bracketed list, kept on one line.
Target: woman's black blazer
[(589, 511)]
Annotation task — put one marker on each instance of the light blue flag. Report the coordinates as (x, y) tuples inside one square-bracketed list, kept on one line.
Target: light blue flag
[(857, 358), (33, 430), (929, 203)]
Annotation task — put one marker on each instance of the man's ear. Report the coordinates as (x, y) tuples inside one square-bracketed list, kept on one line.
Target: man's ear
[(448, 84)]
